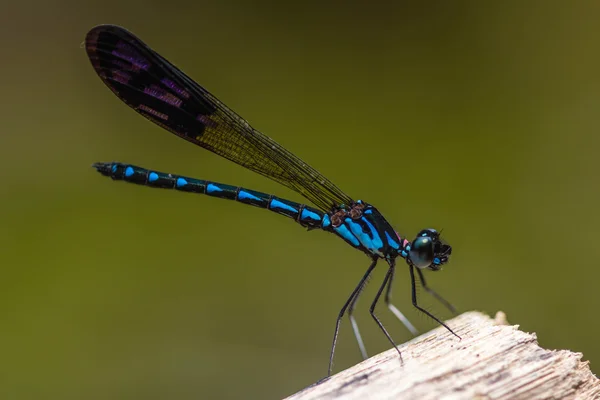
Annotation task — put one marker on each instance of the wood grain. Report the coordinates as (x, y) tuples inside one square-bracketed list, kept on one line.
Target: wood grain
[(494, 360)]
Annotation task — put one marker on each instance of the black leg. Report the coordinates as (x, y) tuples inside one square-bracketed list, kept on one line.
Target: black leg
[(394, 309), (374, 304), (434, 293), (361, 344), (414, 301), (358, 288)]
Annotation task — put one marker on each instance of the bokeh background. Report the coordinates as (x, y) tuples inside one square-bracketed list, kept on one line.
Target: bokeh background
[(479, 118)]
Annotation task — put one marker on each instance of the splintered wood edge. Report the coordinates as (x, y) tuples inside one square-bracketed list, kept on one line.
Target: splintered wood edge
[(493, 360)]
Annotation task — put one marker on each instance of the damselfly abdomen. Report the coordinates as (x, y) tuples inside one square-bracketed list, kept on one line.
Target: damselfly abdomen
[(159, 91)]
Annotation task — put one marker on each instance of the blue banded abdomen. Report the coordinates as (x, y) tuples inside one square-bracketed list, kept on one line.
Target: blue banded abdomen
[(306, 216)]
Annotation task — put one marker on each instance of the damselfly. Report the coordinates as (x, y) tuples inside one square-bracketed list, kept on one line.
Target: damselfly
[(159, 91)]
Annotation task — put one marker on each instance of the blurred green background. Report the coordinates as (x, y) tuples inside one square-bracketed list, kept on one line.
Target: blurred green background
[(478, 118)]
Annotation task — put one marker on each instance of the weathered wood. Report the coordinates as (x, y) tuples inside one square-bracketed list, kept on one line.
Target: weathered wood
[(492, 361)]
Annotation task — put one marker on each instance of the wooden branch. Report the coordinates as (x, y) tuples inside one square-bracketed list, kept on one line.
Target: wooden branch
[(492, 361)]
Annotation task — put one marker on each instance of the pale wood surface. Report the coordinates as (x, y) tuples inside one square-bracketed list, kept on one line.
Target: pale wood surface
[(493, 360)]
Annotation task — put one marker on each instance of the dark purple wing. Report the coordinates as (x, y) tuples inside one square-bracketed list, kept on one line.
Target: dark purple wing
[(159, 91)]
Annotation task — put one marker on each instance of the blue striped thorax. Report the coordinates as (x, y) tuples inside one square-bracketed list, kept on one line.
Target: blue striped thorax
[(362, 226)]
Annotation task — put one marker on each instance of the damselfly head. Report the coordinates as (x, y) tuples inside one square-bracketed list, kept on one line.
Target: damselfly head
[(429, 251)]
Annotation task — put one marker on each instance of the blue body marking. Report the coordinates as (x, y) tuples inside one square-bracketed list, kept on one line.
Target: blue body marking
[(376, 238), (152, 176), (181, 182), (357, 231), (346, 234), (242, 195), (395, 245), (404, 252), (371, 243), (278, 204), (211, 187), (129, 171), (307, 214), (326, 221)]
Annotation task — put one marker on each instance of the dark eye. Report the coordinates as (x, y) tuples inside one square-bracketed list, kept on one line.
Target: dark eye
[(421, 251)]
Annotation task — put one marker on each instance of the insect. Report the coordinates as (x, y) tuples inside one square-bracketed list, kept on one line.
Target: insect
[(162, 93)]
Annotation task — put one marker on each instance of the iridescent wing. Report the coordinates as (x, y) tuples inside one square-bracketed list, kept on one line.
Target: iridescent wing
[(159, 91)]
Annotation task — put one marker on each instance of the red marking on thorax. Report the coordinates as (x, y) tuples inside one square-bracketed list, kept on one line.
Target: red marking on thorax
[(403, 241)]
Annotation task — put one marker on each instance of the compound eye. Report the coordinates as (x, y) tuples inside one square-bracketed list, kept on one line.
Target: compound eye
[(432, 233), (421, 252)]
